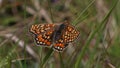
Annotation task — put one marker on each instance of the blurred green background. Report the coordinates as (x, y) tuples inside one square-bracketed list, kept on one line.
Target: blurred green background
[(98, 45)]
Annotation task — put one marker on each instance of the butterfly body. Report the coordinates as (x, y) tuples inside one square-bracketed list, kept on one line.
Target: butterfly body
[(56, 35)]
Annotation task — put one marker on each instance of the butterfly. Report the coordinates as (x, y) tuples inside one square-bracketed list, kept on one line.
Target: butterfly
[(57, 36)]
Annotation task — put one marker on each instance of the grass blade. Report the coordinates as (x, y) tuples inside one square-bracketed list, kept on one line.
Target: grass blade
[(80, 14), (61, 60), (92, 35), (46, 57)]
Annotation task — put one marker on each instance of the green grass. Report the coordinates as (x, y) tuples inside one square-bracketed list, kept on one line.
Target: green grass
[(92, 34), (96, 47)]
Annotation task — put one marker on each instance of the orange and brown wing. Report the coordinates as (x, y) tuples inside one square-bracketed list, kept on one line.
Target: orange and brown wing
[(59, 45), (43, 33), (69, 34)]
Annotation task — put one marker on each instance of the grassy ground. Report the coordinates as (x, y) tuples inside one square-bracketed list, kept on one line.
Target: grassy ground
[(98, 45)]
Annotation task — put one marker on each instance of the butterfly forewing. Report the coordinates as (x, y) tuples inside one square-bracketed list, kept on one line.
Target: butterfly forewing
[(69, 34)]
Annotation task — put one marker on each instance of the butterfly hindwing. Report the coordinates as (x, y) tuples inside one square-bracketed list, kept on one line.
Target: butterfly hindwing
[(60, 46)]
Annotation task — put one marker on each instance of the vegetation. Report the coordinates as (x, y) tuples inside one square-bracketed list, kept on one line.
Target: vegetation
[(98, 45)]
